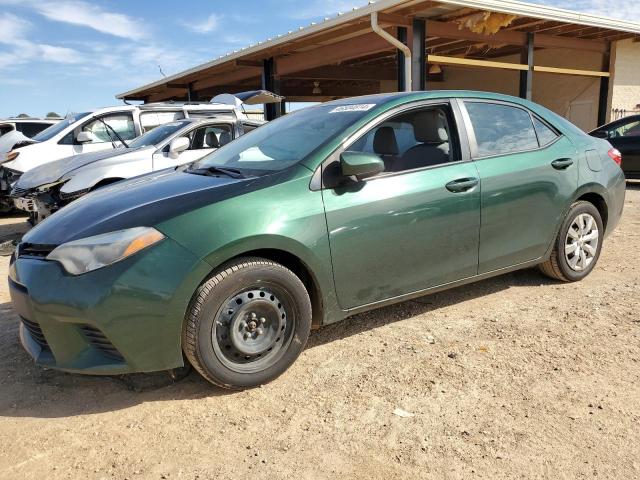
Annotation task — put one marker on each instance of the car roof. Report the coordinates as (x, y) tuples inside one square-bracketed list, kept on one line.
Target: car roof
[(382, 98)]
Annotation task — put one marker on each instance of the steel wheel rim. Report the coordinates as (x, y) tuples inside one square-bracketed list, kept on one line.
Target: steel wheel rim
[(581, 242), (253, 328)]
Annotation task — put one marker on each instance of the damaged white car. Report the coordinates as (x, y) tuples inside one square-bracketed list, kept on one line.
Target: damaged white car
[(110, 128), (47, 188)]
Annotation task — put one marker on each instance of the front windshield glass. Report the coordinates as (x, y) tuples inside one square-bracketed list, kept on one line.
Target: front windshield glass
[(287, 140), (157, 135), (56, 128)]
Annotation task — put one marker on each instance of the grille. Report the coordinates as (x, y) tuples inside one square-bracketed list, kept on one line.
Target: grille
[(36, 333), (97, 339), (73, 195), (34, 250)]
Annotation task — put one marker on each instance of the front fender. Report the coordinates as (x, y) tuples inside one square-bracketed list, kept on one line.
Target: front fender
[(286, 217), (87, 178)]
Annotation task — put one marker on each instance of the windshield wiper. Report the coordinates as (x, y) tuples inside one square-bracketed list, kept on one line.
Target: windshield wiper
[(110, 129), (211, 171)]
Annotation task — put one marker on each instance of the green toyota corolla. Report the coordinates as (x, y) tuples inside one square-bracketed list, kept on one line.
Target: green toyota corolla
[(228, 263)]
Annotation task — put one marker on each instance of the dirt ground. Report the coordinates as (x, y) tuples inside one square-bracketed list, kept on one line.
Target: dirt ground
[(514, 377)]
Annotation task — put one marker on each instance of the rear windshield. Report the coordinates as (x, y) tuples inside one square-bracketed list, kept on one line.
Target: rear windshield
[(287, 140), (55, 129)]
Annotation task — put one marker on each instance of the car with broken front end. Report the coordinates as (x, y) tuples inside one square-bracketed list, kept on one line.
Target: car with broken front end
[(333, 210), (43, 190)]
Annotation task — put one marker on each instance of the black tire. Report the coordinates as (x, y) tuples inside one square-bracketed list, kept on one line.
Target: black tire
[(558, 267), (219, 329)]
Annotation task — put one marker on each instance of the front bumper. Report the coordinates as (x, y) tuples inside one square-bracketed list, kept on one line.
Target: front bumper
[(123, 318)]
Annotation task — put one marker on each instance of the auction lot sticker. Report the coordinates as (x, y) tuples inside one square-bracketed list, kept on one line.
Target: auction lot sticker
[(364, 107)]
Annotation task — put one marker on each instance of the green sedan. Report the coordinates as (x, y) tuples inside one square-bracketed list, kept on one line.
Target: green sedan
[(228, 263)]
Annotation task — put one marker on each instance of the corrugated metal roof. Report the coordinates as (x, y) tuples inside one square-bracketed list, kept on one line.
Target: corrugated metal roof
[(542, 12)]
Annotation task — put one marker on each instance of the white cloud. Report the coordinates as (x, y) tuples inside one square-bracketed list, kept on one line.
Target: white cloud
[(13, 32), (88, 15), (12, 28), (60, 54), (623, 9), (85, 14), (208, 25)]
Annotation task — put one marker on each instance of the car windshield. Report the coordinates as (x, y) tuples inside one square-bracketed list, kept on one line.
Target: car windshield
[(56, 128), (287, 140), (157, 135)]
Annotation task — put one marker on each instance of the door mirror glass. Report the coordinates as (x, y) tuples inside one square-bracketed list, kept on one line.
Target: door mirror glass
[(361, 164), (600, 134), (177, 146), (84, 137)]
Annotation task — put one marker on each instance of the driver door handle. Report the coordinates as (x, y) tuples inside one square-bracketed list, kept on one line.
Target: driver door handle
[(562, 163), (462, 185)]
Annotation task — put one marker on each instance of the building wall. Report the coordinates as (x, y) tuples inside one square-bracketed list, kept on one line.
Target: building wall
[(574, 97), (625, 84)]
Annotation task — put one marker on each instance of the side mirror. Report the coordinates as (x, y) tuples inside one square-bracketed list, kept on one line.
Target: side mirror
[(177, 146), (84, 137), (360, 165), (600, 134)]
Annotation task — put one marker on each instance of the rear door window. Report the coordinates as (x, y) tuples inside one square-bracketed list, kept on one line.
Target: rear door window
[(501, 129)]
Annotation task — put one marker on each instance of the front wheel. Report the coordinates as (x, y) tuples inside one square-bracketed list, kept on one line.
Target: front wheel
[(247, 324), (578, 245)]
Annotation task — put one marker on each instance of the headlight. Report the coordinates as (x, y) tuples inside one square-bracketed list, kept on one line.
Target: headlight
[(11, 156), (88, 254)]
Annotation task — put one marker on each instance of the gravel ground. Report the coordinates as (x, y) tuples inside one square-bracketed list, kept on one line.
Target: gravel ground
[(513, 377)]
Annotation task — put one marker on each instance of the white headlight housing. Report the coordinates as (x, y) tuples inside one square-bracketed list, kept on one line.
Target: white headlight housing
[(91, 253)]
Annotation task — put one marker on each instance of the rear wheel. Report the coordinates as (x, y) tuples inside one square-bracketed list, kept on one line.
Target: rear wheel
[(578, 245), (247, 324)]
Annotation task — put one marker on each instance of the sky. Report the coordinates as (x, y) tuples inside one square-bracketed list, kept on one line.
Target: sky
[(72, 55)]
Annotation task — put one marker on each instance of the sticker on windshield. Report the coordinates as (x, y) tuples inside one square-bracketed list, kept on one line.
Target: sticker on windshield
[(353, 108)]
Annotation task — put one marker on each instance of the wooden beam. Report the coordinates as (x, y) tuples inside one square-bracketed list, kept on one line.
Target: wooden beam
[(184, 86), (332, 72), (334, 53), (468, 62), (393, 19), (451, 30), (242, 73), (167, 94), (570, 71), (248, 63)]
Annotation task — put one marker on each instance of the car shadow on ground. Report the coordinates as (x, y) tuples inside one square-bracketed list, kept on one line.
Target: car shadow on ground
[(633, 184), (27, 390)]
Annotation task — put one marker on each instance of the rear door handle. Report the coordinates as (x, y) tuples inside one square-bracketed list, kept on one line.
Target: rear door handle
[(462, 185), (562, 163)]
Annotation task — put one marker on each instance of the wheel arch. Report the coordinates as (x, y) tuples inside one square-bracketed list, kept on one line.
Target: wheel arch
[(599, 202), (596, 195), (298, 267)]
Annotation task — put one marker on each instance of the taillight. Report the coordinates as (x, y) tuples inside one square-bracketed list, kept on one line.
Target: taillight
[(615, 155)]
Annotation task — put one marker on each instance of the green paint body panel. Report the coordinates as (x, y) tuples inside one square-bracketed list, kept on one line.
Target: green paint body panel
[(401, 233), (365, 245)]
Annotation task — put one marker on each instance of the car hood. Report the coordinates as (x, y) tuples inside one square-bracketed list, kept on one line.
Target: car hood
[(30, 156), (141, 201), (54, 171)]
